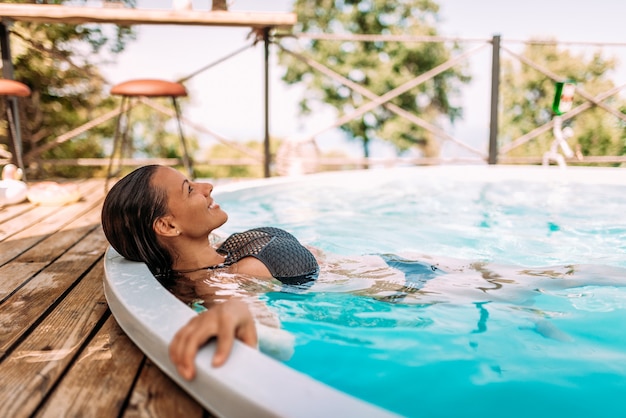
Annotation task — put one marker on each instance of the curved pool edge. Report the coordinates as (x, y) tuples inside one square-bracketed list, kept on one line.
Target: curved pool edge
[(249, 384), (484, 172)]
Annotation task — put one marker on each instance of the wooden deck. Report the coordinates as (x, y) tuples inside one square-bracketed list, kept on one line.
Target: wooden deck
[(61, 351)]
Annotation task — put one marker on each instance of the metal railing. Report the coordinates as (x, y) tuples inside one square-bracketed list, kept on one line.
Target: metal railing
[(493, 154)]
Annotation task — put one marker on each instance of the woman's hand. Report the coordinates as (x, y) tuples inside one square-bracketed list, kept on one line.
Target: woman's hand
[(226, 321)]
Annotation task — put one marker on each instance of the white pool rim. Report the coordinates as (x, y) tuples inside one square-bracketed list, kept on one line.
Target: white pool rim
[(252, 383), (483, 173)]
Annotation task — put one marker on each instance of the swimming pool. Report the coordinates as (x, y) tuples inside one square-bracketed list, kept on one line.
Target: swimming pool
[(516, 290)]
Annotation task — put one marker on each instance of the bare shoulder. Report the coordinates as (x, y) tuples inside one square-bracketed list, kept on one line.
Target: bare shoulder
[(250, 266)]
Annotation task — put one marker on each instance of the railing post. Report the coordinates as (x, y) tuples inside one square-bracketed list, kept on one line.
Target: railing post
[(266, 142), (495, 94)]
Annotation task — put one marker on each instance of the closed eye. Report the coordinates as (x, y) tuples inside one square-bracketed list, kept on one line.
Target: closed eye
[(189, 187)]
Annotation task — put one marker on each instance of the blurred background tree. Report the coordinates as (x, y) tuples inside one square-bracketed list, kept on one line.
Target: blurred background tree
[(527, 97), (223, 151), (378, 66)]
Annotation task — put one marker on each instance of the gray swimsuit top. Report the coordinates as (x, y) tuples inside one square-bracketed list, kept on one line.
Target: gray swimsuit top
[(282, 254)]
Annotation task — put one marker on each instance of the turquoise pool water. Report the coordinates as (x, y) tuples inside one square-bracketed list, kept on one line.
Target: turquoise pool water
[(467, 292)]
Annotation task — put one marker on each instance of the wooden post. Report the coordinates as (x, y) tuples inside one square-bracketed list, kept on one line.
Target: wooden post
[(495, 93), (219, 5)]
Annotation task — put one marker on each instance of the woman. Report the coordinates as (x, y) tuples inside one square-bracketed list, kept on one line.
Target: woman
[(157, 216)]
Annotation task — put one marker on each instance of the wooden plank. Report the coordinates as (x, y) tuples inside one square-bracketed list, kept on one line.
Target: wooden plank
[(35, 366), (12, 211), (22, 268), (99, 382), (31, 253), (14, 275), (34, 220), (24, 308), (156, 395), (61, 234), (26, 231), (26, 220), (43, 13)]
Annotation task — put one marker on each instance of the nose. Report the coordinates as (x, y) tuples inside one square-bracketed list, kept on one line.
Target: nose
[(207, 188)]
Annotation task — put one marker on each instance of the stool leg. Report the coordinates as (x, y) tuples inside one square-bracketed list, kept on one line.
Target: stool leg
[(126, 146), (16, 136), (186, 159), (118, 141)]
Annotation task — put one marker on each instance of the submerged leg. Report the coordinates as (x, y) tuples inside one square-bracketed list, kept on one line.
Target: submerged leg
[(416, 275)]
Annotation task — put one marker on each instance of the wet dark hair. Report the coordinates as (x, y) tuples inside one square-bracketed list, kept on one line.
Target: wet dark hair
[(128, 214)]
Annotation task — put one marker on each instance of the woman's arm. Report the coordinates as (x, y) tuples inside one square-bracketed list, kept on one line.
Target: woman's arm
[(226, 321)]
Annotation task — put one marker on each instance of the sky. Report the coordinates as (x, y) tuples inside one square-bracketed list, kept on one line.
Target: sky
[(228, 98)]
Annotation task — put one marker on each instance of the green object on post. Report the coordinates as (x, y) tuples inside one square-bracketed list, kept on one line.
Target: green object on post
[(563, 97)]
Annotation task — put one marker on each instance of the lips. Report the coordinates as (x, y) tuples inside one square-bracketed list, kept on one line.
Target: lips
[(214, 205)]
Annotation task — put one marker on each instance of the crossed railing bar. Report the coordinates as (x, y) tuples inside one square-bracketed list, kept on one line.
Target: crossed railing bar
[(556, 77), (426, 38), (169, 112), (549, 125), (216, 62), (383, 100), (590, 101)]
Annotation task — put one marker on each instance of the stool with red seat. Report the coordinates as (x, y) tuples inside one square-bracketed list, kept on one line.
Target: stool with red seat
[(11, 89), (145, 88)]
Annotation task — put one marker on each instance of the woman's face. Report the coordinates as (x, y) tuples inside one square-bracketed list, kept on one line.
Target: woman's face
[(191, 207)]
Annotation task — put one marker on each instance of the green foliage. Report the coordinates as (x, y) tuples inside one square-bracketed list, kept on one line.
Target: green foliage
[(527, 96), (223, 151), (378, 66)]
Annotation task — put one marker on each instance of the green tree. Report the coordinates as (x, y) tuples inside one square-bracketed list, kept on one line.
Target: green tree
[(223, 151), (527, 96), (59, 62), (378, 66)]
